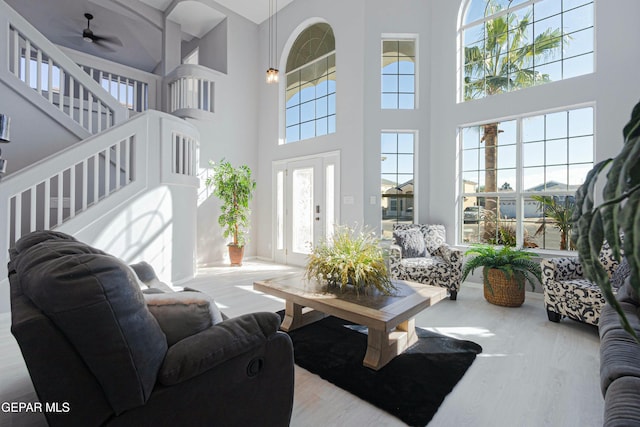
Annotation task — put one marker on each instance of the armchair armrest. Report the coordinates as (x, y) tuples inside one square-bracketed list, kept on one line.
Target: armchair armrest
[(560, 269), (198, 353), (395, 256), (451, 255)]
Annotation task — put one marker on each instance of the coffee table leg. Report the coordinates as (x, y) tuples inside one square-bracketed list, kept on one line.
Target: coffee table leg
[(295, 317), (382, 347)]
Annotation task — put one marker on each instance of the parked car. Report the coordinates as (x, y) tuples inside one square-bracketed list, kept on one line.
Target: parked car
[(473, 214)]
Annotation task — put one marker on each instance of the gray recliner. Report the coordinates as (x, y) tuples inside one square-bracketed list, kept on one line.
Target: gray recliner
[(94, 346)]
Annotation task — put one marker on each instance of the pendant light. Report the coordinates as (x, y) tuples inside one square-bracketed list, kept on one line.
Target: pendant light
[(272, 72)]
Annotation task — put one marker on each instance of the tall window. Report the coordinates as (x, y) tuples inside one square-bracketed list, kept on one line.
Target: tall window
[(512, 44), (398, 74), (311, 84), (396, 185), (519, 178)]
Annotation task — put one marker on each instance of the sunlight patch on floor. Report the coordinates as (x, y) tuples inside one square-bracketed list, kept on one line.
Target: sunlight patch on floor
[(462, 332)]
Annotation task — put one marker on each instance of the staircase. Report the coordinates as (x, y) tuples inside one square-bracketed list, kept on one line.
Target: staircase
[(126, 187)]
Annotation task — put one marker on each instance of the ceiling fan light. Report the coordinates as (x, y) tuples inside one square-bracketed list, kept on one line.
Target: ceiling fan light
[(87, 39)]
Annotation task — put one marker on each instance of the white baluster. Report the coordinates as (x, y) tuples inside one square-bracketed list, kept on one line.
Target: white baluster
[(32, 209), (47, 203)]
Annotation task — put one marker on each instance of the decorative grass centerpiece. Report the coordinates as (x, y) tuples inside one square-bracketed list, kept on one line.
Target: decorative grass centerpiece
[(351, 259)]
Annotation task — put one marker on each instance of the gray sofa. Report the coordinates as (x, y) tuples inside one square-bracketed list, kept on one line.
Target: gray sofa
[(620, 361), (97, 346)]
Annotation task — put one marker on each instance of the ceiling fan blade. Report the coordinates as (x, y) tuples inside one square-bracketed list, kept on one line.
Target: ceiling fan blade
[(107, 39), (102, 45)]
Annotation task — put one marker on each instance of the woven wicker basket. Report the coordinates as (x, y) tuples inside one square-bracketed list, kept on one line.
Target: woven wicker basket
[(503, 291)]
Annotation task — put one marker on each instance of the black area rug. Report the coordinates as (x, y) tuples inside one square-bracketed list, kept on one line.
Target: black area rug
[(411, 387)]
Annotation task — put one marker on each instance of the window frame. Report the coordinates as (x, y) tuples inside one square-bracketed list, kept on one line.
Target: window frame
[(400, 38), (415, 173), (562, 60), (519, 193)]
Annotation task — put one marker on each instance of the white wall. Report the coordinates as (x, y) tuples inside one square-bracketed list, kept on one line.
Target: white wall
[(232, 132), (358, 26)]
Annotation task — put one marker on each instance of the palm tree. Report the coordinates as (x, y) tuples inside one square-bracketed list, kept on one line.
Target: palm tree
[(560, 213), (504, 62)]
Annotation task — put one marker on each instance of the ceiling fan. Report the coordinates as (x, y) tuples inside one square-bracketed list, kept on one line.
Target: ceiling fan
[(101, 41)]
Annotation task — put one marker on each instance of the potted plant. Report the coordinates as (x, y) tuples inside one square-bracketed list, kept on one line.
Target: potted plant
[(350, 259), (234, 187), (505, 272), (616, 215)]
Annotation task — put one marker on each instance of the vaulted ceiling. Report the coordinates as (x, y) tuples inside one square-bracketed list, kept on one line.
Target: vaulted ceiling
[(137, 24)]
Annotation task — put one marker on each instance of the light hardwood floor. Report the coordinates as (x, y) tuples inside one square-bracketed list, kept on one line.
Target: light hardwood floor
[(531, 372)]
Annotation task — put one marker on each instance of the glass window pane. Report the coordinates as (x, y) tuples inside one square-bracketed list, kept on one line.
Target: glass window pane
[(405, 163), (533, 128), (389, 100), (507, 133), (507, 157), (331, 103), (577, 175), (581, 122), (533, 179), (389, 142), (331, 124), (556, 178), (406, 101), (578, 66), (506, 180), (556, 152), (406, 84), (390, 83), (470, 160), (321, 127), (581, 42), (322, 109), (546, 8), (578, 18), (307, 111), (389, 163), (293, 133), (406, 66), (556, 125), (293, 115), (307, 130), (581, 150), (470, 137), (405, 143), (533, 154)]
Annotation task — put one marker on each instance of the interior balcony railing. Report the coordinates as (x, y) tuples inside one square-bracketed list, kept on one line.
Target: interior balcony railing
[(107, 170), (190, 91), (41, 66)]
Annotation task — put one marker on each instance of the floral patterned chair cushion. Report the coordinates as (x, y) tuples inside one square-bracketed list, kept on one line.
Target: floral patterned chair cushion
[(568, 293), (440, 264)]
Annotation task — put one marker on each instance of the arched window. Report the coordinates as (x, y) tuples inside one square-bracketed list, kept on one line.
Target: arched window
[(512, 44), (311, 84)]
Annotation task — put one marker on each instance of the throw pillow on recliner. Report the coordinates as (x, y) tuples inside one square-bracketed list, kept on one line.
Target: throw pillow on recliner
[(182, 314)]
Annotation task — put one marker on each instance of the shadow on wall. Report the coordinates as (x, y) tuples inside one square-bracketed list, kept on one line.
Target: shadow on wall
[(212, 247), (143, 231)]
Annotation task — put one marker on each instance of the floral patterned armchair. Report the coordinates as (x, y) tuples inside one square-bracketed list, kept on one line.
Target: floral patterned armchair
[(421, 254), (568, 293)]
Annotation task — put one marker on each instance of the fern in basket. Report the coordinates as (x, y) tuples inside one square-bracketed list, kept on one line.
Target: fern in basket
[(506, 259)]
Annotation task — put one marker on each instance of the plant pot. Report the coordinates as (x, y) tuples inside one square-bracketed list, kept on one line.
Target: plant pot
[(236, 253), (502, 290)]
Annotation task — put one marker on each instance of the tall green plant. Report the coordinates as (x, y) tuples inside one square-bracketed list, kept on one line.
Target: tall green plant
[(234, 187), (619, 212), (507, 259)]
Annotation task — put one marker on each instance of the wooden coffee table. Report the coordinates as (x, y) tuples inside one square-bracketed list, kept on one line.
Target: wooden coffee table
[(390, 319)]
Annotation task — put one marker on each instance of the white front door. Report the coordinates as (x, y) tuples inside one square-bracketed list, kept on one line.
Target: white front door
[(305, 201)]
